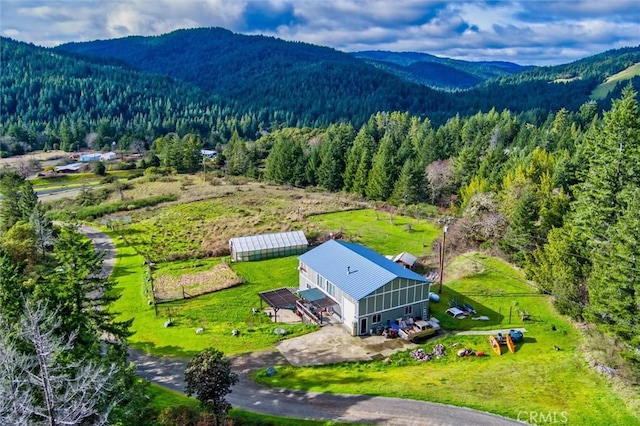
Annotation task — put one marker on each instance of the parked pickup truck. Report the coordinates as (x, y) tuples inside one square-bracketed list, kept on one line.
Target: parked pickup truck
[(414, 331)]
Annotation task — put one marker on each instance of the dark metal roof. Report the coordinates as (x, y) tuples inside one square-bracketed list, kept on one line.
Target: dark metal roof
[(281, 298)]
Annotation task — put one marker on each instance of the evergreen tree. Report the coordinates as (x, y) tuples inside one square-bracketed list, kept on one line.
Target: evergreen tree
[(191, 146), (12, 292), (614, 164), (43, 229), (556, 270), (614, 285), (18, 200), (363, 143), (383, 171), (238, 160), (79, 291), (408, 188), (330, 171)]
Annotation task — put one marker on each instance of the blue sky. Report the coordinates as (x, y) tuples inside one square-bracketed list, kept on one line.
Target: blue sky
[(538, 32)]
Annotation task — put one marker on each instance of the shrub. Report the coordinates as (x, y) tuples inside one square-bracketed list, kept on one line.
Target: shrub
[(92, 212)]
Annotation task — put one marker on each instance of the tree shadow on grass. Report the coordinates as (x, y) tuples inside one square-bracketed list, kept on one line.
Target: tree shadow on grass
[(449, 323)]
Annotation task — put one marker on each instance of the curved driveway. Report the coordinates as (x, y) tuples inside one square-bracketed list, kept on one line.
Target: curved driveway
[(248, 395)]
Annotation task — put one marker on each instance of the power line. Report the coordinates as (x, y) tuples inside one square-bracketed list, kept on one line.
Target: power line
[(511, 242), (585, 307)]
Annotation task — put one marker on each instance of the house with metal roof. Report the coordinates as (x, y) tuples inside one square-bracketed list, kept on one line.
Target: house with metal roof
[(266, 246), (369, 290)]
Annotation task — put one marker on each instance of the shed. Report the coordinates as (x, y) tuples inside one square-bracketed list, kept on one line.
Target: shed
[(266, 246), (368, 289), (108, 156), (406, 259), (87, 158), (69, 168)]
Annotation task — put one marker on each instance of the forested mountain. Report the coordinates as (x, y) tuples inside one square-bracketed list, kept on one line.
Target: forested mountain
[(436, 72), (216, 83), (48, 98), (315, 85)]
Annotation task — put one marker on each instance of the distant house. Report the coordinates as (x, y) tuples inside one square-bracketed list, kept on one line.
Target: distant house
[(89, 158), (108, 156), (208, 153), (69, 168), (266, 246), (369, 290)]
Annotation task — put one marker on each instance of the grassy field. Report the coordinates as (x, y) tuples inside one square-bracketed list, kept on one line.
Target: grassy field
[(218, 313), (537, 378), (602, 90), (387, 233), (196, 228)]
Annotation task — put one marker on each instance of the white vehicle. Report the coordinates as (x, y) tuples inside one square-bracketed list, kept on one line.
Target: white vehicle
[(457, 313)]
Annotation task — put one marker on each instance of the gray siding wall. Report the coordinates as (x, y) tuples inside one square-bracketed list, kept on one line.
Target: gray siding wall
[(399, 298), (396, 299)]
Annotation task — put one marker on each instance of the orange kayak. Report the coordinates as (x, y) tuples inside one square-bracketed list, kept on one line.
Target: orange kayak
[(510, 345), (495, 345)]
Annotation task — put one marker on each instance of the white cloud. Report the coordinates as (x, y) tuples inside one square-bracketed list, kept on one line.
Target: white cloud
[(527, 31)]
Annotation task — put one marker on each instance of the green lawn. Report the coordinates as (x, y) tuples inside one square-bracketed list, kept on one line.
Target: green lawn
[(161, 398), (218, 313), (536, 378), (384, 232)]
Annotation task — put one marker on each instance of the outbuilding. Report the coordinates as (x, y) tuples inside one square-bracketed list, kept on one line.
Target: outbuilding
[(266, 246), (108, 156), (69, 168), (369, 289), (89, 158)]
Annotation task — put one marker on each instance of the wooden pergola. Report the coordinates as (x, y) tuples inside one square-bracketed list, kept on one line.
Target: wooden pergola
[(281, 298)]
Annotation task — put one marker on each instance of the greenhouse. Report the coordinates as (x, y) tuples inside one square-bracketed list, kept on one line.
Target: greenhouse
[(267, 246)]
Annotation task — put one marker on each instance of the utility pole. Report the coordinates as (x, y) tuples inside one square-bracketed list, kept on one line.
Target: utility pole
[(442, 246)]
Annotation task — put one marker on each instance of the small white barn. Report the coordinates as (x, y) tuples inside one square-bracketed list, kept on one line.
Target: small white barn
[(266, 246), (108, 156), (368, 290)]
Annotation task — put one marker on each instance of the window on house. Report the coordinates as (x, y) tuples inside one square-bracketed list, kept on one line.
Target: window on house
[(376, 318), (303, 267), (408, 310), (331, 289)]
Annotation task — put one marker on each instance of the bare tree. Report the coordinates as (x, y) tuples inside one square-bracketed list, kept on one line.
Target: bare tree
[(439, 174), (39, 386)]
